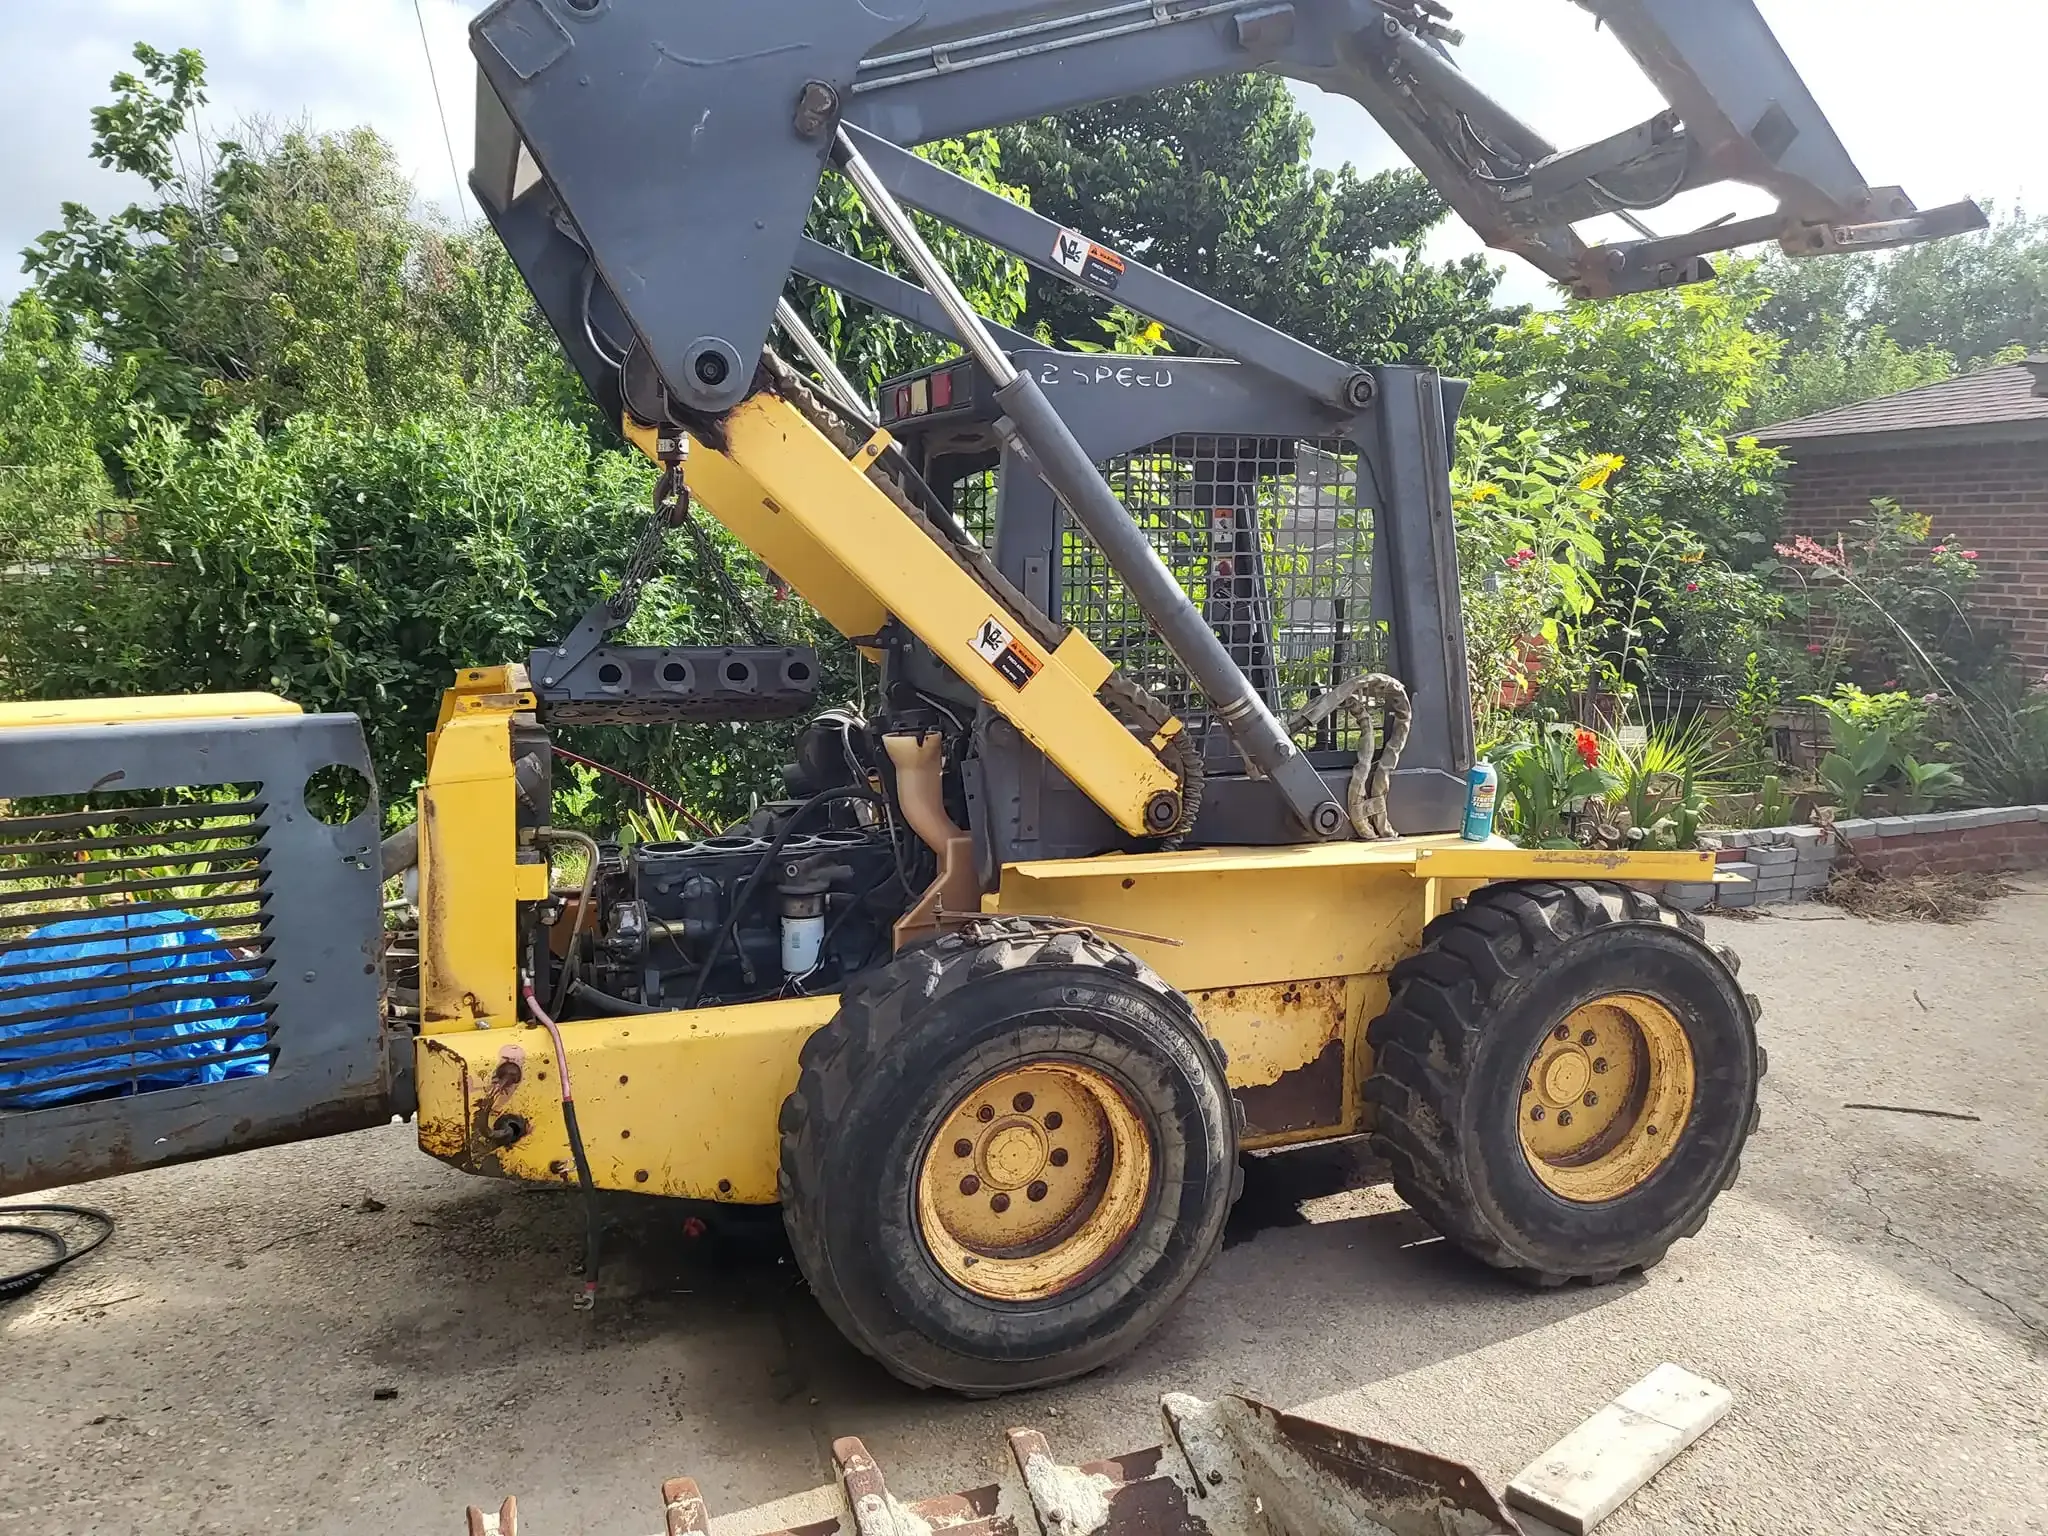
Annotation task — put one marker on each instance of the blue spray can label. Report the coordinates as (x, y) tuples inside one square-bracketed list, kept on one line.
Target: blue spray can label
[(1482, 787)]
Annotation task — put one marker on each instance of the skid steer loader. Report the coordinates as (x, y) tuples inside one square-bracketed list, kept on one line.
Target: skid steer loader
[(1146, 855)]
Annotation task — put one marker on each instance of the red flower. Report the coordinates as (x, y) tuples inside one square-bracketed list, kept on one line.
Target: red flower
[(1815, 649), (1969, 554), (1692, 586), (1588, 747)]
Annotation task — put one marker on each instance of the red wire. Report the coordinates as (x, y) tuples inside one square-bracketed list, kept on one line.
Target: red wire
[(646, 789)]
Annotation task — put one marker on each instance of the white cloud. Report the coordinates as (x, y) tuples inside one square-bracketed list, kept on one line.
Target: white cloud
[(1943, 101)]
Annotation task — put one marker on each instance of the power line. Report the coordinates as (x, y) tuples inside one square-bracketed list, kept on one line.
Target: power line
[(447, 139)]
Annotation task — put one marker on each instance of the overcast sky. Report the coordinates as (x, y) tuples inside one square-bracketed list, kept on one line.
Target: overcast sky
[(1944, 100)]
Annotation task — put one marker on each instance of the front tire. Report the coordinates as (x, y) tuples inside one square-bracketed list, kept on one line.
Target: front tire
[(1006, 1158), (1565, 1077)]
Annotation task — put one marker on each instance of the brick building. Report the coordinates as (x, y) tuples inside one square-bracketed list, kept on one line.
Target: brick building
[(1970, 452)]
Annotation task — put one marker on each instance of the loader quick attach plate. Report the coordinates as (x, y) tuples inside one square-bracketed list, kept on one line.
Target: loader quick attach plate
[(1229, 1468), (676, 684)]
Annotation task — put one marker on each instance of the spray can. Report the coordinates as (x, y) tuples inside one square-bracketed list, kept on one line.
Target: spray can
[(1482, 787)]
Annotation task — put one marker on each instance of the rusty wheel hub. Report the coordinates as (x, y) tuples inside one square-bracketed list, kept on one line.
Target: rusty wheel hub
[(1605, 1097), (1033, 1181)]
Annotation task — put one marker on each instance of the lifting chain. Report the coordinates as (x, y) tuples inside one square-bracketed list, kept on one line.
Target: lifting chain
[(1363, 697), (672, 510)]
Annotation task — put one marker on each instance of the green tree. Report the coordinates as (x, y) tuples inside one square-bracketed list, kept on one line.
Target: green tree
[(869, 345), (1971, 296), (55, 407), (280, 271), (1210, 182), (1846, 364)]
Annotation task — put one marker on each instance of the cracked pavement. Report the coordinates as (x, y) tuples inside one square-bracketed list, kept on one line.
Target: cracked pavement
[(1874, 1292)]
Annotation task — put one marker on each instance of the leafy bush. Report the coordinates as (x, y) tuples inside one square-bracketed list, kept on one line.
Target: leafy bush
[(1891, 604), (358, 568), (1667, 783), (2000, 729), (1528, 550), (1873, 739), (1544, 779)]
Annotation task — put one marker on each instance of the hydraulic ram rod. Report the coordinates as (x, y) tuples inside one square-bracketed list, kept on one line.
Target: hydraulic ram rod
[(1043, 438)]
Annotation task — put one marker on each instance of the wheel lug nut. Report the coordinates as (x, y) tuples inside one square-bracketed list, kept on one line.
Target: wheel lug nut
[(1037, 1190), (1587, 1037), (1053, 1121), (1599, 1063), (1562, 1032), (1564, 1117), (963, 1148), (1536, 1113), (999, 1204), (1527, 1086), (1059, 1157), (985, 1114), (1653, 1130), (1022, 1103), (970, 1185), (1590, 1099)]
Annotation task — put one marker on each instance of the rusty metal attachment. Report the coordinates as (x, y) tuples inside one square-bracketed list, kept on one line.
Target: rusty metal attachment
[(1234, 1467)]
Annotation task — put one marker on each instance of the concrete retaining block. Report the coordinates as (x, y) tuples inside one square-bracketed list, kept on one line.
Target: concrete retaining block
[(1769, 856)]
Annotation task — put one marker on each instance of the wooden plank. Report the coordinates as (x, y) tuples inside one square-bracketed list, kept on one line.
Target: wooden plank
[(1587, 1475)]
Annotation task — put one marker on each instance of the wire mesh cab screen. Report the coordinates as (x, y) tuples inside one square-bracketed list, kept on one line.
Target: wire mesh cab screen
[(1270, 537)]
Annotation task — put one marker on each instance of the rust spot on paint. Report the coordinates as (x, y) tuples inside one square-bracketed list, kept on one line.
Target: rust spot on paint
[(1300, 1100)]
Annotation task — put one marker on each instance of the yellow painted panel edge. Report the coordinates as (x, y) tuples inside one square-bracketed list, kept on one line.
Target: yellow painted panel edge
[(1488, 863), (136, 711), (680, 1104)]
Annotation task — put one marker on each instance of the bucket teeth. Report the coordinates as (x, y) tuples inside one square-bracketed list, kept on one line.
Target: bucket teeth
[(1234, 1467)]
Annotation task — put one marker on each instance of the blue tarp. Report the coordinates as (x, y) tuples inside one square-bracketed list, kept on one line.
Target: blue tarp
[(125, 954)]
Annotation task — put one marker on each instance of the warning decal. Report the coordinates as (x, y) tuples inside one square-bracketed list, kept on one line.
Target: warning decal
[(999, 648), (1095, 265)]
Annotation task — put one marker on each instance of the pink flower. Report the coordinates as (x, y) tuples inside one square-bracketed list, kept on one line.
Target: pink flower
[(1808, 552), (1941, 549), (1969, 554), (1891, 682), (1815, 649)]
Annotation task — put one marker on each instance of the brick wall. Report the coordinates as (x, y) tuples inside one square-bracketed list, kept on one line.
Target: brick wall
[(1953, 850), (1992, 497), (1779, 864)]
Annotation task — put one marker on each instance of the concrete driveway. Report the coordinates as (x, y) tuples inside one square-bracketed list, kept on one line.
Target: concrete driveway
[(1874, 1292)]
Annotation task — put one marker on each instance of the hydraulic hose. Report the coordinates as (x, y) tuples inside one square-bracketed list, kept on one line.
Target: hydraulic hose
[(592, 1225)]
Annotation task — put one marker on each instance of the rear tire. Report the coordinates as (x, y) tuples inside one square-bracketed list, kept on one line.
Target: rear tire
[(1107, 1212), (1475, 1055)]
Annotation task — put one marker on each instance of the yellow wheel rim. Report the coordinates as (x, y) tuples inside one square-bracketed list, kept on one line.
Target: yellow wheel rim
[(1033, 1181), (1605, 1097)]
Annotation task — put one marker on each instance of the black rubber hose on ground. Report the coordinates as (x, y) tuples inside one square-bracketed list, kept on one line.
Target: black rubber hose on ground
[(62, 1251)]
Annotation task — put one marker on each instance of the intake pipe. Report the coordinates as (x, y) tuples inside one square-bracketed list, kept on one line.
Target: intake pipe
[(919, 761)]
